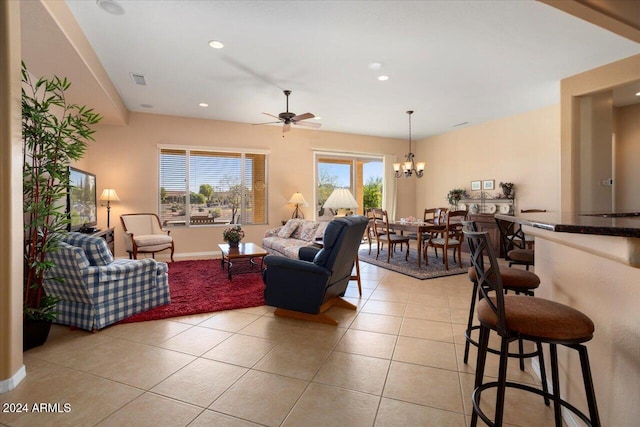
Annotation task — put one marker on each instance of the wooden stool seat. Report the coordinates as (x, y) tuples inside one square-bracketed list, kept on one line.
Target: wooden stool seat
[(513, 279)]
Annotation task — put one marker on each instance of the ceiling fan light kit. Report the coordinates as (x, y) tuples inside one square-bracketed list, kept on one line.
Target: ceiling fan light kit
[(288, 118), (410, 166)]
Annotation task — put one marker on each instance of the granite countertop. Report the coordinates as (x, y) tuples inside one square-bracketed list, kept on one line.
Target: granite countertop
[(604, 224)]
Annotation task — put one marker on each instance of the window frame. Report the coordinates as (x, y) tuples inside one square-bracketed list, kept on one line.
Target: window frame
[(242, 152)]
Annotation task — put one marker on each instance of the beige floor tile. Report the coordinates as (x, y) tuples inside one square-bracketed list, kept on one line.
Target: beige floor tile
[(89, 398), (377, 323), (384, 307), (394, 413), (326, 406), (492, 364), (196, 340), (241, 350), (293, 359), (201, 382), (429, 300), (367, 343), (460, 315), (261, 397), (258, 311), (274, 328), (425, 312), (354, 372), (152, 410), (436, 354), (353, 292), (231, 321), (318, 335), (193, 319), (211, 418), (391, 295), (427, 329), (152, 333), (437, 388)]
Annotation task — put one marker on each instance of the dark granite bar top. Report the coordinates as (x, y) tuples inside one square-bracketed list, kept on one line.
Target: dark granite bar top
[(604, 224)]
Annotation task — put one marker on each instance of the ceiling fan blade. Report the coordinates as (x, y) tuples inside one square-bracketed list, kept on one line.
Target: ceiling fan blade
[(271, 115), (286, 128), (309, 124), (265, 123), (304, 116)]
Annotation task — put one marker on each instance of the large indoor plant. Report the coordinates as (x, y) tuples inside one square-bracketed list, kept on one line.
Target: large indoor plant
[(54, 133)]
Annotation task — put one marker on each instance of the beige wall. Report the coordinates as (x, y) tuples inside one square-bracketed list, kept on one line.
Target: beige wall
[(522, 149), (627, 130), (11, 366), (126, 158), (603, 78)]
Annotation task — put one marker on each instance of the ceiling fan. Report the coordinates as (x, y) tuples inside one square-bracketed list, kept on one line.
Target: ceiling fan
[(289, 119)]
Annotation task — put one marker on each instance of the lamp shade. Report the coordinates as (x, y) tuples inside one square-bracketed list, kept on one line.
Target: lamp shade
[(297, 199), (341, 198), (110, 195)]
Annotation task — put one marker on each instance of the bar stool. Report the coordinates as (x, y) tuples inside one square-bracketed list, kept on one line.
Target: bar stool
[(514, 280), (514, 244), (530, 318)]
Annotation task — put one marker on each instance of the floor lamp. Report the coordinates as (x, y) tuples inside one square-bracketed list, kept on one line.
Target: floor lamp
[(109, 194)]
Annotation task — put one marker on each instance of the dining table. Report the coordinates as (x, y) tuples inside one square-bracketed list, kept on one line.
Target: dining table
[(418, 227)]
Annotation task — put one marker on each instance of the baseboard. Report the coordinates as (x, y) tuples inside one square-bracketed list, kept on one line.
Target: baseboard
[(568, 416), (11, 383)]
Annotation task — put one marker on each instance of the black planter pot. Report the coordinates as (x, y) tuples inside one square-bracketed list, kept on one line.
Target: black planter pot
[(34, 333)]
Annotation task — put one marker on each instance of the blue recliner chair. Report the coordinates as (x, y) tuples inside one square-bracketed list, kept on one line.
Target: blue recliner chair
[(307, 287)]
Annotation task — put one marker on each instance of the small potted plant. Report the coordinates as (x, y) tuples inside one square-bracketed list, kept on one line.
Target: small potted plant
[(454, 196), (233, 235)]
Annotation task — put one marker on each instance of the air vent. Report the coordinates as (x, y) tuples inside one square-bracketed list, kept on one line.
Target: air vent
[(460, 124), (138, 79)]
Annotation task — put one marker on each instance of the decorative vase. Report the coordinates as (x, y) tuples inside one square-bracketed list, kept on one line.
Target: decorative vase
[(34, 333), (234, 244)]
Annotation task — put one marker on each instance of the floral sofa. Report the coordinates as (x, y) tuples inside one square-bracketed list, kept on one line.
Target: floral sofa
[(296, 233)]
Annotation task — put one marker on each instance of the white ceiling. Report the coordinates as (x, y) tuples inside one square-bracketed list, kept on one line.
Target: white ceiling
[(450, 61)]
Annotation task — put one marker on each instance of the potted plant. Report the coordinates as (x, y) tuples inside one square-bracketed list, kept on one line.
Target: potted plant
[(454, 196), (233, 235), (54, 133)]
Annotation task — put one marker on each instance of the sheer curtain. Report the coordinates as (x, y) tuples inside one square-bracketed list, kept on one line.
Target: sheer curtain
[(389, 187)]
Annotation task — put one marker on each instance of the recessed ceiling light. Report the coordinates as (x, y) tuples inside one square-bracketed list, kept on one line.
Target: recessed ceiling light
[(383, 78), (110, 6), (216, 44), (203, 104), (146, 105), (638, 94), (375, 65), (317, 118)]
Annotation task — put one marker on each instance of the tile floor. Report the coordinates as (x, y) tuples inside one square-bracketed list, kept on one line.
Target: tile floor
[(396, 361)]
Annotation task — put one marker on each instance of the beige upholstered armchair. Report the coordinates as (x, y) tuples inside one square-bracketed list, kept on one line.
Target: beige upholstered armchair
[(144, 234)]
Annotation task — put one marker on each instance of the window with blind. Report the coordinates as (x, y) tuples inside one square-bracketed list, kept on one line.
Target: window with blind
[(202, 187)]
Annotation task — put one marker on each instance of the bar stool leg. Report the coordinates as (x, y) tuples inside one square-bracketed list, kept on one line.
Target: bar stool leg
[(588, 385), (555, 382), (474, 295), (483, 344), (543, 373), (502, 381)]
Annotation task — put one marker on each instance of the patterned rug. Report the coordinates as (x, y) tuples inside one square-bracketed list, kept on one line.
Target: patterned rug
[(410, 267)]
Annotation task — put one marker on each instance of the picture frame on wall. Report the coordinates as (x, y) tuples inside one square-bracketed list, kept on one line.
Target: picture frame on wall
[(488, 184), (476, 185)]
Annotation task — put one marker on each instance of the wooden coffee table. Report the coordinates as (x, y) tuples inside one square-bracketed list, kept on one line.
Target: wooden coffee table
[(246, 251)]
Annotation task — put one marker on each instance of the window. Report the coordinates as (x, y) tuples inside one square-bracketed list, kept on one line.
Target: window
[(362, 174), (202, 187)]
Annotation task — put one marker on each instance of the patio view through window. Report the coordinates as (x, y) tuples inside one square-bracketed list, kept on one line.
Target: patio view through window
[(363, 176), (200, 187)]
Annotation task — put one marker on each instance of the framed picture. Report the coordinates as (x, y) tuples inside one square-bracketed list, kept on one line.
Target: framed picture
[(488, 184), (475, 185)]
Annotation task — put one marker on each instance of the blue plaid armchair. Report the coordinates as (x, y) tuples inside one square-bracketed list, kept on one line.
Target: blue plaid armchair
[(95, 290)]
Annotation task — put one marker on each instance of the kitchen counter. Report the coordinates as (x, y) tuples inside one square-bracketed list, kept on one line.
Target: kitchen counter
[(603, 224)]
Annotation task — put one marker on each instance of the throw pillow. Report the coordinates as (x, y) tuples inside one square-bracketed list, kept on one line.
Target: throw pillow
[(287, 230), (308, 231), (320, 230)]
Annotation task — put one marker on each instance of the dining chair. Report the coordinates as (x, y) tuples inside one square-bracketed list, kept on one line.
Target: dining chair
[(384, 234), (448, 237)]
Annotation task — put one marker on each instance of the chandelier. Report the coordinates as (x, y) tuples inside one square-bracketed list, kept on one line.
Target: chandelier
[(409, 167)]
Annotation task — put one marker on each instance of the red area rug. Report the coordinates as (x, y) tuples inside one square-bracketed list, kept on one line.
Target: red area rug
[(202, 287)]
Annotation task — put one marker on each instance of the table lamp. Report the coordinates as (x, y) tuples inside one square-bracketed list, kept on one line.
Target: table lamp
[(341, 198), (298, 199)]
